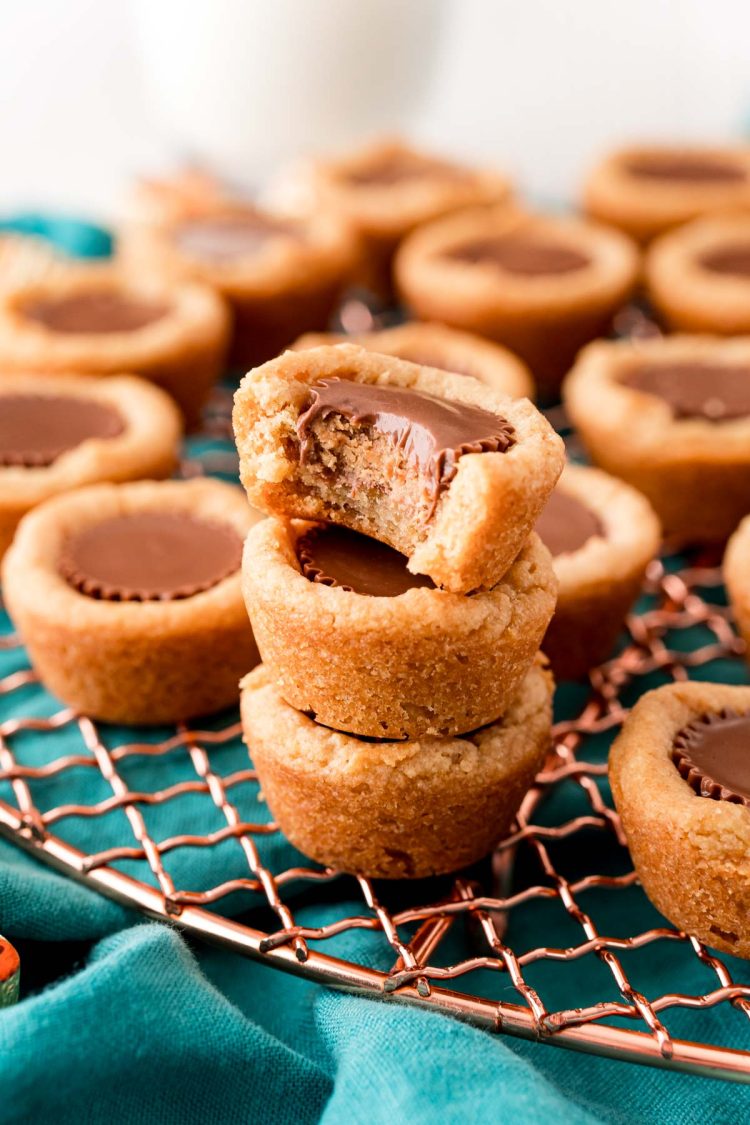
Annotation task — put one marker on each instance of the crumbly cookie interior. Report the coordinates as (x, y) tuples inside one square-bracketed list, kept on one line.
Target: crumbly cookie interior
[(361, 477)]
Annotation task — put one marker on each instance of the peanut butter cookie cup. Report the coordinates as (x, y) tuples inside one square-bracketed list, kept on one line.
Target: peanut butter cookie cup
[(128, 598), (280, 276), (447, 349), (351, 637), (95, 321), (59, 432), (648, 189), (602, 535), (680, 774), (698, 276), (672, 418), (434, 465), (387, 189), (543, 286), (390, 809)]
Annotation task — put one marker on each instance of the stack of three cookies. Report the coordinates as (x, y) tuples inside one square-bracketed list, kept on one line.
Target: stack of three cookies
[(398, 598)]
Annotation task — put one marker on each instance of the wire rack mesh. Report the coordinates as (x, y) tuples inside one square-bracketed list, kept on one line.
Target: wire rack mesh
[(72, 792)]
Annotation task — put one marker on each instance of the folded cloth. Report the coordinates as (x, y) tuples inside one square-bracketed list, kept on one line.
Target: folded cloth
[(122, 1021)]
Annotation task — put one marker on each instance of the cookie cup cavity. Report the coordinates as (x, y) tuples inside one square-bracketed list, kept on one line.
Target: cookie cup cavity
[(687, 294), (599, 582), (546, 317), (147, 446), (394, 809), (447, 349), (425, 662), (480, 520), (181, 351), (129, 662), (289, 285), (695, 473), (645, 207), (691, 853)]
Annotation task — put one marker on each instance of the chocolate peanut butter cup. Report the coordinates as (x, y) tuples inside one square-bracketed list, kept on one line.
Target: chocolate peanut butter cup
[(713, 391), (435, 465), (698, 276), (431, 433), (349, 635), (541, 285), (150, 556), (101, 321), (566, 524), (602, 535), (60, 432), (730, 260), (671, 416), (527, 256), (279, 276), (394, 809), (680, 777), (36, 429), (685, 167), (712, 753), (99, 312), (336, 556), (648, 190), (129, 598)]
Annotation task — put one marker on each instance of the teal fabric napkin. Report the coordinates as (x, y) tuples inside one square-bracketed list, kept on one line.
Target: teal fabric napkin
[(122, 1020)]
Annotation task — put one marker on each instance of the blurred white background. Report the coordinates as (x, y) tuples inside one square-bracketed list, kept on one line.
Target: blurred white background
[(95, 91)]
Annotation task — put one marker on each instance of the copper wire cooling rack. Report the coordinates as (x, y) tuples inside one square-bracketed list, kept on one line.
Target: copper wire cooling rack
[(472, 946)]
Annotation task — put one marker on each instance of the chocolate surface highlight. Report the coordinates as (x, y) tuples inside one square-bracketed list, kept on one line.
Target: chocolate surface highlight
[(713, 755), (733, 261), (566, 524), (225, 238), (433, 433), (37, 429), (150, 556), (336, 556), (715, 392), (698, 169), (96, 313), (527, 255)]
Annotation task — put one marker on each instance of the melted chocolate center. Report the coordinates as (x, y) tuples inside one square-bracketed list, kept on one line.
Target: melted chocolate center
[(566, 524), (527, 255), (713, 755), (685, 168), (336, 556), (224, 238), (96, 313), (716, 392), (150, 556), (432, 433), (731, 260), (37, 429)]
